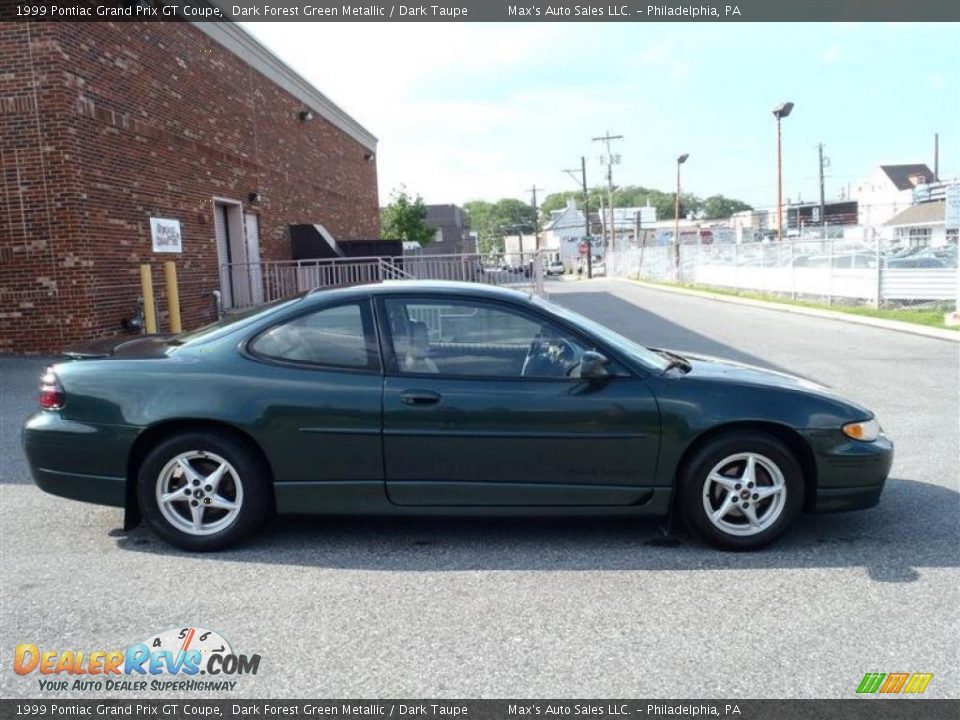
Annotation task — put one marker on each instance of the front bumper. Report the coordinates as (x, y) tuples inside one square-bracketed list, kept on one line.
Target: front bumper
[(850, 473), (78, 460)]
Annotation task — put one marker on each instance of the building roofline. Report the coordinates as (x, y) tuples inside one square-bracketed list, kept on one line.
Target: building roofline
[(245, 46)]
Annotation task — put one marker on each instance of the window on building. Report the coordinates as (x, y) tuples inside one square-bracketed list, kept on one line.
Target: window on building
[(913, 236)]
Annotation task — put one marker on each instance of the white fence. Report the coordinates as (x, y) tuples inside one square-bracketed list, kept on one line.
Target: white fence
[(248, 284), (825, 270)]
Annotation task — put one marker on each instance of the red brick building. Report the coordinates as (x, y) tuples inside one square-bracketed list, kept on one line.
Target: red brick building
[(104, 126)]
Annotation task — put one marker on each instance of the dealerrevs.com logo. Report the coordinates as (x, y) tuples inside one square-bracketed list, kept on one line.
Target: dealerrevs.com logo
[(894, 683), (183, 654)]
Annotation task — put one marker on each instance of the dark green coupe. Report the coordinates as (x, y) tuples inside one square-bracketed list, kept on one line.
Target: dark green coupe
[(440, 398)]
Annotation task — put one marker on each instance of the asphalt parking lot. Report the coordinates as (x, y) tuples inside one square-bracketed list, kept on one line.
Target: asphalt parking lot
[(542, 608)]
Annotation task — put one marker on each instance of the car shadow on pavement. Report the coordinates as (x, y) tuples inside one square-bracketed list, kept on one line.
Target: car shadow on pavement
[(653, 330), (914, 527)]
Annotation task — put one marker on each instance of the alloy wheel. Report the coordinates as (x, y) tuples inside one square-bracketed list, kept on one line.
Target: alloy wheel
[(199, 492), (744, 494)]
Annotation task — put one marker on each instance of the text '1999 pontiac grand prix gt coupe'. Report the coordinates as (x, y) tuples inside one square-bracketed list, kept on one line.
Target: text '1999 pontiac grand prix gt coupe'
[(423, 398)]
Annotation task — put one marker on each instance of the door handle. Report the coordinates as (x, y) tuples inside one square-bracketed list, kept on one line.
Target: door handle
[(419, 397)]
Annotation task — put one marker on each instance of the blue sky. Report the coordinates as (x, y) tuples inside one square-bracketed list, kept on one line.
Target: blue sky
[(476, 110)]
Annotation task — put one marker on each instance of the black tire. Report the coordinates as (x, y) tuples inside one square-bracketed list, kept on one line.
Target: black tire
[(694, 473), (251, 475)]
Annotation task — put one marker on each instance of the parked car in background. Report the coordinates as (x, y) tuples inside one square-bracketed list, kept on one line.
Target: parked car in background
[(555, 267), (838, 261), (947, 254), (599, 268), (405, 398), (921, 257)]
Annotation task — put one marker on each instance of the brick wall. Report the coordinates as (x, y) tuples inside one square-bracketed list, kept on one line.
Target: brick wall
[(105, 125)]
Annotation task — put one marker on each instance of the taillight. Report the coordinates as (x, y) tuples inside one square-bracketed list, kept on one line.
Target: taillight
[(51, 391)]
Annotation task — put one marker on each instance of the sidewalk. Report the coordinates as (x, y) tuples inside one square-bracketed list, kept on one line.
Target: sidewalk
[(905, 327)]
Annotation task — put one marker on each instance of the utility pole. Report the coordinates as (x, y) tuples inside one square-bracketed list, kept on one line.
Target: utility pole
[(936, 157), (586, 213), (823, 204), (536, 220), (611, 159)]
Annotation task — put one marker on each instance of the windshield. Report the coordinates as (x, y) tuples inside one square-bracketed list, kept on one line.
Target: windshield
[(233, 318), (625, 345)]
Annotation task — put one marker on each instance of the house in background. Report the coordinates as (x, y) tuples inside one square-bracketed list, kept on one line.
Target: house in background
[(888, 191), (923, 224), (564, 232), (567, 229), (451, 236)]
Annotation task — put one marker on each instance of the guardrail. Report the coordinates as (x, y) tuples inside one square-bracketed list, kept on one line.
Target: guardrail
[(248, 284)]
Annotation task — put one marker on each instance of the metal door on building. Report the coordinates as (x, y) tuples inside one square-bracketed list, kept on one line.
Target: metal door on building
[(238, 253), (252, 227)]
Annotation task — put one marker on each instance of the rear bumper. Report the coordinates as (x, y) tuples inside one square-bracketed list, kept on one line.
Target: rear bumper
[(78, 460), (98, 489), (850, 474)]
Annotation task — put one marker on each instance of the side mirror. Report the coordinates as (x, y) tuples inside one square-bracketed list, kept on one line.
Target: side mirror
[(593, 366)]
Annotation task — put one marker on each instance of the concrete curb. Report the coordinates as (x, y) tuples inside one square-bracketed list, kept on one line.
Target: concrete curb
[(895, 325)]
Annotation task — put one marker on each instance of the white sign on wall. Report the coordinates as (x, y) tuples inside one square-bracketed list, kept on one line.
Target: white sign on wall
[(952, 210), (166, 235)]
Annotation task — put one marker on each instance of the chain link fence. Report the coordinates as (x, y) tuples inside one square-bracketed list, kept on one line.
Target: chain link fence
[(834, 271)]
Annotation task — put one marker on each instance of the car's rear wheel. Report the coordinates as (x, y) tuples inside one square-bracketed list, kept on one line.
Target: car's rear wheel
[(203, 490), (742, 490)]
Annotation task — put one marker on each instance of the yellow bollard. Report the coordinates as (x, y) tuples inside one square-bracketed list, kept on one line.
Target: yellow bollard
[(149, 312), (173, 296)]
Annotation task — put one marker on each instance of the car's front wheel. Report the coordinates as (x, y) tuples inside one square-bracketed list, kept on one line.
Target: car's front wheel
[(742, 490), (203, 491)]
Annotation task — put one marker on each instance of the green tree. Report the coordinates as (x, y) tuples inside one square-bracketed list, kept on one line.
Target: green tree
[(492, 220), (718, 206), (406, 219), (626, 196)]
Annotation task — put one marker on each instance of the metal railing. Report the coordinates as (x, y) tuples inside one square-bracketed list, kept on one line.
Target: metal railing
[(864, 272), (248, 284)]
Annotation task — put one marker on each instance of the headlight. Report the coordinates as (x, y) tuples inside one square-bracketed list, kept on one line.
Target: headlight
[(866, 430)]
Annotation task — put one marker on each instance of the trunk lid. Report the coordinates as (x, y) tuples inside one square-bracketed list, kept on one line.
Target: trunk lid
[(128, 348)]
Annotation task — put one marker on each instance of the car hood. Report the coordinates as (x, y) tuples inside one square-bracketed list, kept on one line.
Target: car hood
[(127, 347), (722, 369)]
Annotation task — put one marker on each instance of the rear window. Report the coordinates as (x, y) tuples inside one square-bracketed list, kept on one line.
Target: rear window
[(340, 336), (231, 321)]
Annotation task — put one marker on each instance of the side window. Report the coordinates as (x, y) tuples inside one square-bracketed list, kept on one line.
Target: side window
[(475, 339), (340, 336)]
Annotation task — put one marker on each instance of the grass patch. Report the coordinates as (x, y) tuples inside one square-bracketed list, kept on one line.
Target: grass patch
[(926, 316)]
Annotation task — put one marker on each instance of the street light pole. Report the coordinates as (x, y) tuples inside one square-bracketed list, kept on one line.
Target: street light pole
[(676, 221), (586, 215), (781, 111)]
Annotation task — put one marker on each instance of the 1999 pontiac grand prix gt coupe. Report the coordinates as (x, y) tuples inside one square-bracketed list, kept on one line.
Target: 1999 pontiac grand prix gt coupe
[(440, 398)]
